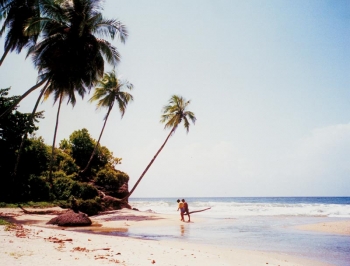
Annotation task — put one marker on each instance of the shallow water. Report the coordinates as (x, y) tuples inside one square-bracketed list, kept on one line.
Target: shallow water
[(265, 224), (275, 234)]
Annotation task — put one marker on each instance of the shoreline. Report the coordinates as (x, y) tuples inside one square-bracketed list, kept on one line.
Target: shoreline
[(28, 244), (338, 227)]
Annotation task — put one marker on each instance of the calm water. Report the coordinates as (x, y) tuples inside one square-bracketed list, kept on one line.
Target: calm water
[(265, 224)]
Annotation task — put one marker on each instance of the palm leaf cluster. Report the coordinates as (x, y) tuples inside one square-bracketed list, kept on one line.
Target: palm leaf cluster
[(70, 54), (176, 112), (16, 14)]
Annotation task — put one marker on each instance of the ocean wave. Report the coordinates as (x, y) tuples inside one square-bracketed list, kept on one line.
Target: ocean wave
[(227, 208)]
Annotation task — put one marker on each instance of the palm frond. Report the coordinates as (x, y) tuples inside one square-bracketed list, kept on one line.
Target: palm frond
[(175, 112), (109, 51)]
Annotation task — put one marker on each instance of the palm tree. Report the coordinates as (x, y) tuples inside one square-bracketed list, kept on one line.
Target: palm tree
[(111, 90), (173, 114), (70, 55), (16, 14)]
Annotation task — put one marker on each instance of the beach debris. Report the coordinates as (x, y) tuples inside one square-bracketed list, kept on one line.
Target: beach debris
[(71, 218), (56, 240), (53, 210), (101, 249), (153, 262), (20, 231), (80, 249), (200, 210)]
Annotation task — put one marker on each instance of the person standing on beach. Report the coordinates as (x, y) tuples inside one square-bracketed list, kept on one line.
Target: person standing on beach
[(181, 208), (186, 210)]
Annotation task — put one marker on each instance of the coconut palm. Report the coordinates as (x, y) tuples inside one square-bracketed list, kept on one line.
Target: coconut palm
[(70, 54), (109, 92), (16, 14), (173, 114)]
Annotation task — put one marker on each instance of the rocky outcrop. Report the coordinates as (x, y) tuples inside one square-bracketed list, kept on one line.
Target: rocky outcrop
[(71, 218), (111, 203), (123, 191)]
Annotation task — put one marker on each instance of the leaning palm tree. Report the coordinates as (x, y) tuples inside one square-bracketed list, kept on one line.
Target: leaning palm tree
[(110, 91), (173, 114)]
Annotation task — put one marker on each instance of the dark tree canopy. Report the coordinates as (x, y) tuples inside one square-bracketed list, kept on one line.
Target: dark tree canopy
[(31, 181)]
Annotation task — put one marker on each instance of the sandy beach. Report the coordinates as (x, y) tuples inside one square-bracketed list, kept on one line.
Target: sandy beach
[(32, 242), (340, 227)]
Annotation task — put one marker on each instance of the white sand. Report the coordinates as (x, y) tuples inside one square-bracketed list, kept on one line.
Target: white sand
[(38, 244), (339, 227)]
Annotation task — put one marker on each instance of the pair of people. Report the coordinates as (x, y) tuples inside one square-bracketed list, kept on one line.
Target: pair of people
[(183, 207)]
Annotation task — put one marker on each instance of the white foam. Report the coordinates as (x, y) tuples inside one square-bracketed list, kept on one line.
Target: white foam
[(231, 208)]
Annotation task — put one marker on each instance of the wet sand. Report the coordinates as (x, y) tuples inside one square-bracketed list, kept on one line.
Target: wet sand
[(32, 242)]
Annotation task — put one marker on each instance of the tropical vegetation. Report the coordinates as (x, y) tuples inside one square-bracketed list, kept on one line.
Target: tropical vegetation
[(69, 44), (110, 90), (32, 183)]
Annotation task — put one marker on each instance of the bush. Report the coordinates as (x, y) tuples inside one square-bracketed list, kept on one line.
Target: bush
[(62, 187), (66, 187), (39, 189), (111, 179), (84, 191), (90, 207)]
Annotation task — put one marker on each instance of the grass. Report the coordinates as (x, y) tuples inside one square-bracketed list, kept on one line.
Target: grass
[(3, 222), (41, 204)]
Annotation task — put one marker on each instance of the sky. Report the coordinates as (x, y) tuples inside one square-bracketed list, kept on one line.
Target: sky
[(269, 83)]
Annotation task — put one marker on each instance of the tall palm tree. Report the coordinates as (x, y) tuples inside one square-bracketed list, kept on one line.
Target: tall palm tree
[(110, 91), (173, 114), (16, 13), (70, 53)]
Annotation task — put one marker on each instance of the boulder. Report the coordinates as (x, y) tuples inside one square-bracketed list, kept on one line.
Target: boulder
[(71, 218)]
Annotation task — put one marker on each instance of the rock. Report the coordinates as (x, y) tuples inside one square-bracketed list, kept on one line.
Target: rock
[(71, 218), (123, 191), (112, 203)]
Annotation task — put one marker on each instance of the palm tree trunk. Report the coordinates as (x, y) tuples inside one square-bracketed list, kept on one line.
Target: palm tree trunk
[(98, 142), (54, 139), (26, 133), (23, 96), (4, 55), (149, 165)]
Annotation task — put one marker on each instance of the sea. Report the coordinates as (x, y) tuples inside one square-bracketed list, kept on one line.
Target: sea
[(255, 223)]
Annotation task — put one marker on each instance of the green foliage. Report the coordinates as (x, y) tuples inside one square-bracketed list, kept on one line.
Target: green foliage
[(84, 191), (65, 163), (111, 179), (64, 188), (3, 222), (82, 146), (12, 127), (30, 187), (39, 189), (90, 207), (34, 159)]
